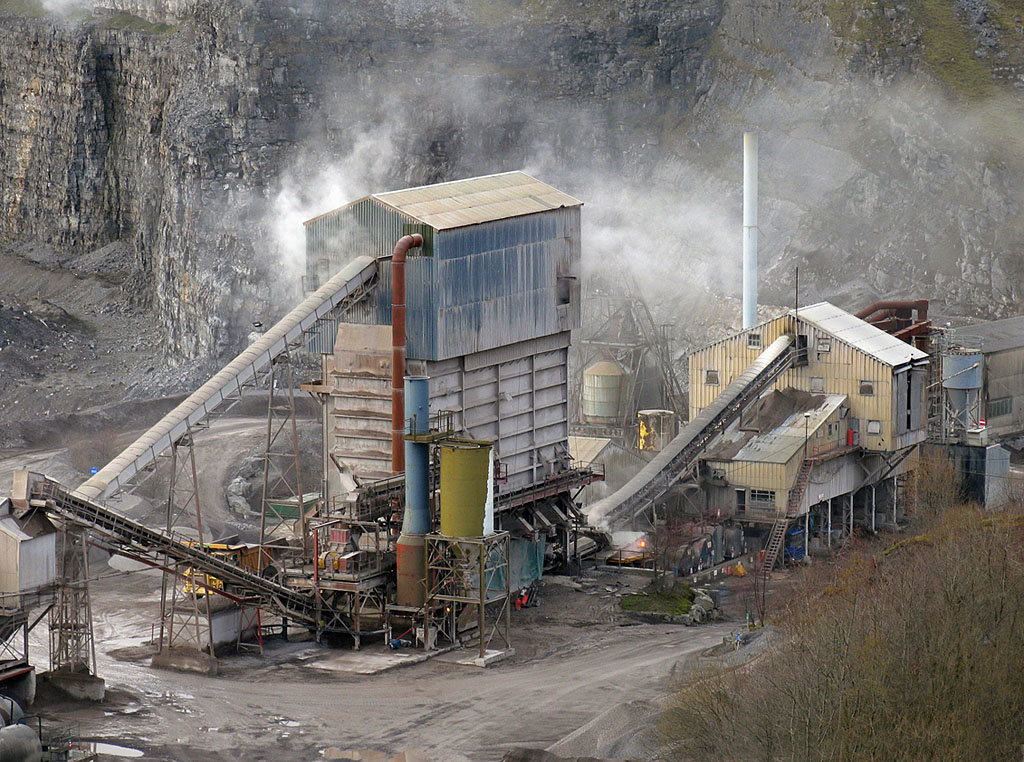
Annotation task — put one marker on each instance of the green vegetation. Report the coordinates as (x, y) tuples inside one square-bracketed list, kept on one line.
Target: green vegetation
[(673, 599), (911, 653), (948, 48), (946, 41), (22, 8)]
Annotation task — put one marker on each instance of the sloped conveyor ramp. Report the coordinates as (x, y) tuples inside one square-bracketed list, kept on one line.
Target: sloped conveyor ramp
[(229, 381), (669, 465), (138, 539)]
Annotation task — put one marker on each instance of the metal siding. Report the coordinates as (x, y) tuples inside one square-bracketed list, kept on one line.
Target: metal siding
[(843, 367), (8, 565), (37, 562), (518, 400), (1004, 377), (362, 228), (497, 283)]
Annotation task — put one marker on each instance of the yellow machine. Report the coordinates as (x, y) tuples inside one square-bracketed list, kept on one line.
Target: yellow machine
[(245, 556)]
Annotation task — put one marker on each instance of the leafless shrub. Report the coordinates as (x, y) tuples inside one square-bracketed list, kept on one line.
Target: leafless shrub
[(913, 653)]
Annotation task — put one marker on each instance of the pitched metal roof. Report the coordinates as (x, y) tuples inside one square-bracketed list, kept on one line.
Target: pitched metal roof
[(995, 336), (781, 443), (859, 334), (478, 199)]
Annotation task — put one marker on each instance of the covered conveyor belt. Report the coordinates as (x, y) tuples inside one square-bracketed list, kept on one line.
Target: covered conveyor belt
[(139, 540), (672, 463), (347, 284)]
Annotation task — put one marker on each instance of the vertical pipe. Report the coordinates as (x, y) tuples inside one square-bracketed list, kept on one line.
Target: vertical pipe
[(894, 503), (417, 455), (872, 508), (749, 229), (398, 347), (411, 546), (807, 530)]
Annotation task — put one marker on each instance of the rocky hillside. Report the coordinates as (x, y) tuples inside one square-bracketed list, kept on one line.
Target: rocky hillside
[(197, 134)]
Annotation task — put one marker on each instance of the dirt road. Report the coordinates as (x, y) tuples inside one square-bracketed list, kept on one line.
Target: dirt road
[(286, 707)]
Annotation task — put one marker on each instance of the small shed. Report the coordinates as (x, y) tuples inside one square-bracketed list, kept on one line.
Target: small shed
[(27, 555)]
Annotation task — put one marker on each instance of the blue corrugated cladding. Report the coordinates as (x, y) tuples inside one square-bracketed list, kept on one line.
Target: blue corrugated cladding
[(473, 288), (498, 281)]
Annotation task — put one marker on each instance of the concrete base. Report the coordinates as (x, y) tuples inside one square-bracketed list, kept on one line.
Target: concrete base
[(77, 685), (473, 658), (186, 660), (493, 657)]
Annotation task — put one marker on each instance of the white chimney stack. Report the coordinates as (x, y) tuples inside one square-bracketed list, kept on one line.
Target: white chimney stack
[(749, 229)]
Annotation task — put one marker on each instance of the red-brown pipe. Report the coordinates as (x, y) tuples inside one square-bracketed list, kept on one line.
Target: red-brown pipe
[(398, 349), (920, 305)]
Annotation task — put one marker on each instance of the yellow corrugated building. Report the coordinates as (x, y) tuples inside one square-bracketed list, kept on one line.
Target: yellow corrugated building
[(855, 407)]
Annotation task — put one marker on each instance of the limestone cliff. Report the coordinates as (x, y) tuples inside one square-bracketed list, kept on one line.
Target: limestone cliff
[(170, 126)]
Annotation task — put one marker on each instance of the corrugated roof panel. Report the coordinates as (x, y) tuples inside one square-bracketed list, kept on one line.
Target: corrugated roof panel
[(995, 336), (781, 443), (860, 334), (476, 200)]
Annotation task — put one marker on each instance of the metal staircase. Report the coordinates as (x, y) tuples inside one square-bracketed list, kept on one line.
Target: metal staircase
[(778, 534)]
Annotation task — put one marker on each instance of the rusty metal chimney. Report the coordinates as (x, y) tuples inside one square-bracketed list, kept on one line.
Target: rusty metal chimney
[(398, 349)]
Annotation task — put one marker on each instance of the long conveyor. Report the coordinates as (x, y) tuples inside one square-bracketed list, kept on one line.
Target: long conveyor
[(139, 540), (227, 383), (669, 465)]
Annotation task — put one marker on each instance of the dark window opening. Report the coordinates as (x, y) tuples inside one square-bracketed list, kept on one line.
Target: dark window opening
[(563, 289), (801, 349)]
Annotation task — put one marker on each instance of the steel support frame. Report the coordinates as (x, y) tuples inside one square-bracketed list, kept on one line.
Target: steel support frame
[(282, 468), (468, 574), (186, 618), (72, 647)]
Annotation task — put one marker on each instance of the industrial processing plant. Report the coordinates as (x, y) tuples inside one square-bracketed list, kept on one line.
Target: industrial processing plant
[(463, 455)]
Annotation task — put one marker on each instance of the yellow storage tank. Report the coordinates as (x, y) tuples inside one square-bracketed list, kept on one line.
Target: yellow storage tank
[(464, 470)]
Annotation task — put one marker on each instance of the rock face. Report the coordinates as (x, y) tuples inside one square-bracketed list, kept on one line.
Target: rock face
[(166, 126), (168, 129)]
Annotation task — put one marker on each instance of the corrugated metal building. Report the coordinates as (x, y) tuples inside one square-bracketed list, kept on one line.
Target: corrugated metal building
[(883, 377), (27, 557), (852, 404), (1000, 344), (492, 298)]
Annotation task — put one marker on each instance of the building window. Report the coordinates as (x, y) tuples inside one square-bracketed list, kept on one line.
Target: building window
[(874, 427), (867, 388), (753, 341), (711, 377), (817, 384), (563, 289), (824, 345), (1002, 406), (762, 496)]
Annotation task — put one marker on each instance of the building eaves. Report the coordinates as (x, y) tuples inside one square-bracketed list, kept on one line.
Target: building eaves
[(859, 334)]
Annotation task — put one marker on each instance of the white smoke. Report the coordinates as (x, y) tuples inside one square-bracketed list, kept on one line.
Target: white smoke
[(320, 184)]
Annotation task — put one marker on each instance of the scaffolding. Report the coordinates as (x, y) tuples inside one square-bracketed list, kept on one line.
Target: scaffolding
[(72, 649), (467, 588), (185, 616)]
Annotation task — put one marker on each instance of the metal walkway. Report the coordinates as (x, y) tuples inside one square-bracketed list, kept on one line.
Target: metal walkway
[(671, 464), (348, 284), (138, 540)]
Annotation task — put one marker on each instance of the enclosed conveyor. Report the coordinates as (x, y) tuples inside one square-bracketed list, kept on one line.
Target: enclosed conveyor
[(672, 463), (228, 383)]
